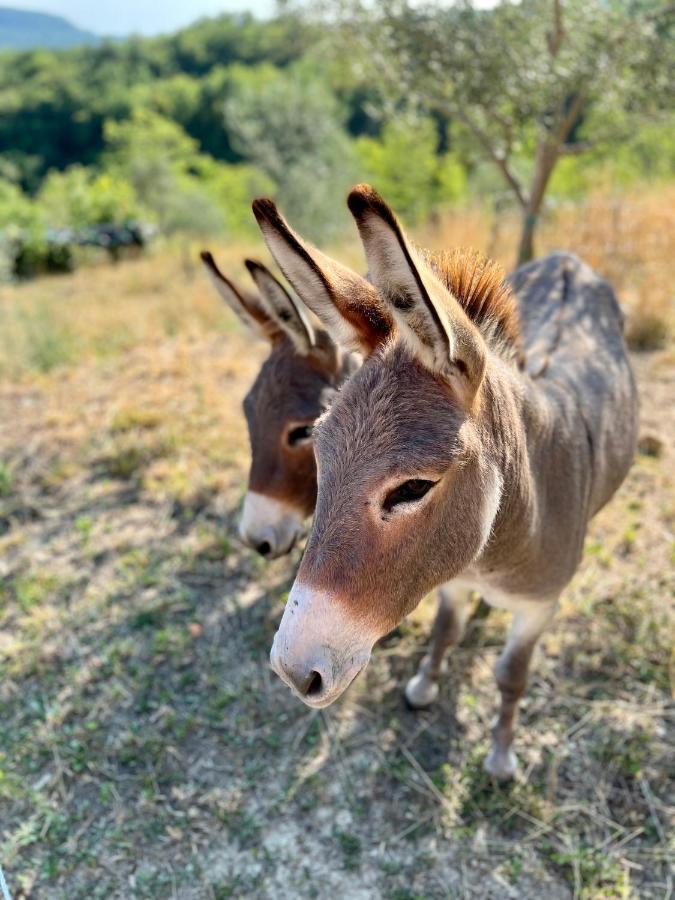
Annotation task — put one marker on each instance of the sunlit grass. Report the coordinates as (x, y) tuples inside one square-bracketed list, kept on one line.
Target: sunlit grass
[(101, 311)]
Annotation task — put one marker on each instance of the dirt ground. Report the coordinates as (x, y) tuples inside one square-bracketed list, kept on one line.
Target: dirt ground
[(146, 749)]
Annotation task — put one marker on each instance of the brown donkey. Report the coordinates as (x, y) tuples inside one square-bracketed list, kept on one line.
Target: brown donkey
[(293, 387), (468, 452)]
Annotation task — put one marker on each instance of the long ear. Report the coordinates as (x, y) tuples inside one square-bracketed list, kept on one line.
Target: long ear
[(288, 314), (348, 305), (430, 319), (248, 307)]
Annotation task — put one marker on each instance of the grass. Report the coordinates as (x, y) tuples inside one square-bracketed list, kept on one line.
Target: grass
[(104, 311), (6, 480), (145, 749)]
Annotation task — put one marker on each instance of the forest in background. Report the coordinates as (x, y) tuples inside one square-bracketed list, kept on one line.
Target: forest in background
[(180, 132)]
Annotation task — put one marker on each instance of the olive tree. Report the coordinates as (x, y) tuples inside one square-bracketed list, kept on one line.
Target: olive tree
[(530, 81)]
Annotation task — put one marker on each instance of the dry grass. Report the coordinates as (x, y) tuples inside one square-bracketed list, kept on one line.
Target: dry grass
[(102, 311), (145, 751), (627, 238)]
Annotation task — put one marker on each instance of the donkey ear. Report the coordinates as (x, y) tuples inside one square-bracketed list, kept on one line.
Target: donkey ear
[(288, 314), (430, 319), (348, 305), (248, 308)]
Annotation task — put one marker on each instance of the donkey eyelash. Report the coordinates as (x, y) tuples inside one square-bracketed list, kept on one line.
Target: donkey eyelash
[(409, 492)]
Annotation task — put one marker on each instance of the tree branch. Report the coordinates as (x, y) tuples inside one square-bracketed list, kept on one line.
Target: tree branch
[(500, 160), (569, 118), (555, 37)]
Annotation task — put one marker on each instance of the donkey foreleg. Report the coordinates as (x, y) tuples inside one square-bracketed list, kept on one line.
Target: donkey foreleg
[(449, 625), (511, 674)]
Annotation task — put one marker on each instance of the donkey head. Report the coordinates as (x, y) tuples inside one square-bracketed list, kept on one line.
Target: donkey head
[(293, 387), (408, 484)]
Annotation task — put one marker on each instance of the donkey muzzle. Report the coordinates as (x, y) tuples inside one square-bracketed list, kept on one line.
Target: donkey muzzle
[(320, 647), (268, 525)]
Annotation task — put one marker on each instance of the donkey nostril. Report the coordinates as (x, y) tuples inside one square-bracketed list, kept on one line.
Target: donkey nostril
[(264, 548), (315, 684)]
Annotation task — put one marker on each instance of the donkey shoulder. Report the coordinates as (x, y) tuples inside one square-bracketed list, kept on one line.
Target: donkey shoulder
[(573, 334)]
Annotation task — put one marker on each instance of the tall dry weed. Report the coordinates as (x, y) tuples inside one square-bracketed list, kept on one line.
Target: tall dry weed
[(103, 310), (628, 237)]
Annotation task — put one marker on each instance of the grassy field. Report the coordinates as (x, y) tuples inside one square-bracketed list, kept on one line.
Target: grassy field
[(146, 750)]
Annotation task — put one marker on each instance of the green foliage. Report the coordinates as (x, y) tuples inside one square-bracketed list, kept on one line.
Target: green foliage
[(53, 106), (15, 207), (528, 81), (232, 188), (80, 197), (183, 189), (289, 125), (648, 155), (411, 147), (184, 130)]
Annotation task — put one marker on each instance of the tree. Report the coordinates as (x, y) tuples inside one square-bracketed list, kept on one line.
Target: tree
[(531, 82), (16, 209), (185, 190), (289, 125), (157, 157), (80, 198)]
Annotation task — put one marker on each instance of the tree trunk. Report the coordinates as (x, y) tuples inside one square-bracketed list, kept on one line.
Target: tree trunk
[(526, 244), (545, 160)]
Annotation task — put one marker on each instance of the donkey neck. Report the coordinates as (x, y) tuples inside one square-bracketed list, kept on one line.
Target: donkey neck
[(516, 425)]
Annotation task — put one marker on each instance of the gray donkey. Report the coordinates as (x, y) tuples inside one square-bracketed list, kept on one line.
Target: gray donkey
[(468, 452)]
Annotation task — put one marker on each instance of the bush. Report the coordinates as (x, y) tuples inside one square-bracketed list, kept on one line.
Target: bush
[(405, 166), (290, 126), (25, 253), (81, 197), (183, 190)]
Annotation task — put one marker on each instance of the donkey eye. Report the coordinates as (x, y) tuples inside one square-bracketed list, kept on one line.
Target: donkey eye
[(408, 492), (298, 435)]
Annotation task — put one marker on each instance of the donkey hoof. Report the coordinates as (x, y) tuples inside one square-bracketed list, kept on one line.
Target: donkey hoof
[(501, 764), (421, 691)]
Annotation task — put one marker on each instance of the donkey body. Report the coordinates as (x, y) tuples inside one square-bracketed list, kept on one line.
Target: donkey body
[(467, 453)]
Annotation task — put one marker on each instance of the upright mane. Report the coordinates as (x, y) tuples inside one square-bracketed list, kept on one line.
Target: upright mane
[(479, 286)]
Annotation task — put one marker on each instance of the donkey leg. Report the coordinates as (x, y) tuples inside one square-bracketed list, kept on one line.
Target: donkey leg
[(511, 674), (449, 624)]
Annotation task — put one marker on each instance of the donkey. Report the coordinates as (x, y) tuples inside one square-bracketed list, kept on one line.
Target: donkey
[(293, 387), (468, 452)]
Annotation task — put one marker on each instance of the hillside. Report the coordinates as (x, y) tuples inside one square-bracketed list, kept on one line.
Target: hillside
[(24, 30)]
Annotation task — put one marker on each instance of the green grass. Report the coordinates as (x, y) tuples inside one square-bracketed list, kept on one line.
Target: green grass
[(32, 590)]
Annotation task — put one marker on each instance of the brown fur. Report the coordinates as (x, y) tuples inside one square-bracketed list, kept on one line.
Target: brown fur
[(248, 299), (479, 286), (477, 283), (290, 390), (356, 299)]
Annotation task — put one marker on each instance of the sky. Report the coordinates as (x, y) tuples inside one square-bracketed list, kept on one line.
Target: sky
[(120, 17)]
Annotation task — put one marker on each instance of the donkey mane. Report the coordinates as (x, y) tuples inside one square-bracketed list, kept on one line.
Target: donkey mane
[(479, 286)]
